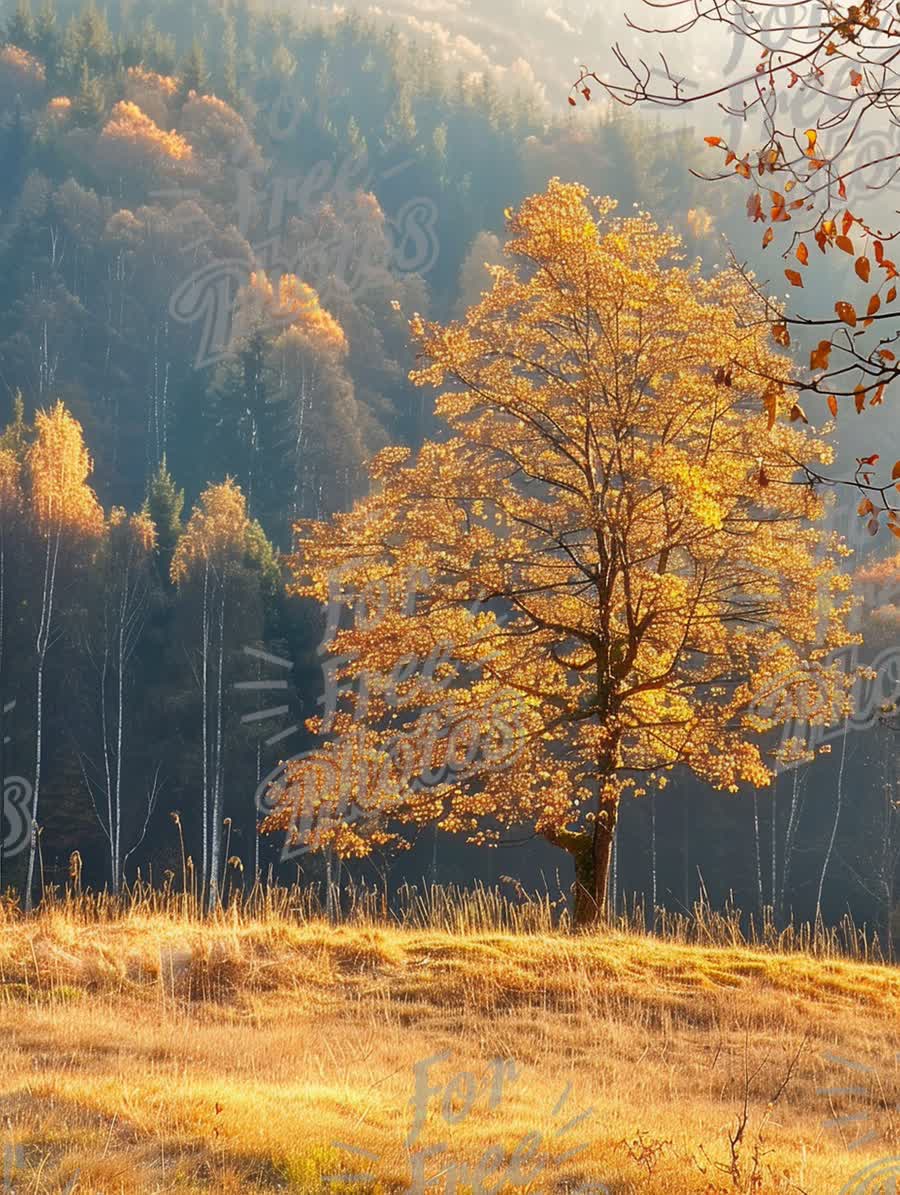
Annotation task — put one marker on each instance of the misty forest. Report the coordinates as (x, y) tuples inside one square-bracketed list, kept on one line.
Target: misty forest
[(410, 516)]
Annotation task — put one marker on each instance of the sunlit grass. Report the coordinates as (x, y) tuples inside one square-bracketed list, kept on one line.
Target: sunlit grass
[(158, 1052)]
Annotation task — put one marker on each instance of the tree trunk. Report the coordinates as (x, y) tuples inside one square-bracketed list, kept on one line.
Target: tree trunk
[(591, 852)]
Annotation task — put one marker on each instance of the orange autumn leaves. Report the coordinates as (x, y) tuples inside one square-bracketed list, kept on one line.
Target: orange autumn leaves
[(129, 126), (646, 601)]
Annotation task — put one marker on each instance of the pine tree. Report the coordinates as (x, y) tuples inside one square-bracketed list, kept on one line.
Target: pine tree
[(89, 104), (21, 29), (164, 505), (193, 75)]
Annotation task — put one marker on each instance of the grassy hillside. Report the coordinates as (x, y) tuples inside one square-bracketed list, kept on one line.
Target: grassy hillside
[(158, 1054)]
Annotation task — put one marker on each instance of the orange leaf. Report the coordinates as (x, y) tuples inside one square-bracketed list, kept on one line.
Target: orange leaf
[(862, 268), (802, 253), (781, 335), (793, 277), (811, 137), (865, 507), (844, 243), (797, 412), (896, 471), (842, 190), (874, 304), (891, 295), (767, 238), (886, 355), (818, 358), (833, 405), (879, 252), (859, 397), (846, 313), (713, 140)]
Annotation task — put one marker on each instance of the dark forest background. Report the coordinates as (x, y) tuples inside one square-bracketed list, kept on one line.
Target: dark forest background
[(147, 146)]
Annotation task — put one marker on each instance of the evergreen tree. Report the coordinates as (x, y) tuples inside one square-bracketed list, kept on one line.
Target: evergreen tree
[(193, 74), (89, 104), (164, 504), (20, 29)]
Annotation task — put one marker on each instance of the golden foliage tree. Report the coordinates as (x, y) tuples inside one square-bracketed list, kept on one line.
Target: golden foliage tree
[(219, 538), (605, 556), (67, 517)]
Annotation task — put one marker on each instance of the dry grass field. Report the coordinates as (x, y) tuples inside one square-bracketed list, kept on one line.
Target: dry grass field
[(152, 1052)]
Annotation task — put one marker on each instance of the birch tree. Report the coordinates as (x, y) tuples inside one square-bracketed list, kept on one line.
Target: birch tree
[(67, 520), (218, 549), (119, 609)]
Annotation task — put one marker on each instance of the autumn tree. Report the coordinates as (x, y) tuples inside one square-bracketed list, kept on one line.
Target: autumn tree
[(12, 505), (67, 521), (801, 111), (122, 580), (606, 558), (221, 555)]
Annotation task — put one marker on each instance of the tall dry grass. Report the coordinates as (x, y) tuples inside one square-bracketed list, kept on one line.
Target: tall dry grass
[(147, 1048)]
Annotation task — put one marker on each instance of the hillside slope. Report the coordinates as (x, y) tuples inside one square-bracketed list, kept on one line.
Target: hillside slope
[(153, 1055)]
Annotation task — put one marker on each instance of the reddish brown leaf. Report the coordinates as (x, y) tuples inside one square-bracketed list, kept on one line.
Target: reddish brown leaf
[(818, 358)]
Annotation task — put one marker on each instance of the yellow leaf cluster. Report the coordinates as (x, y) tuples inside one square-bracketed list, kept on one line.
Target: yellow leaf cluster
[(607, 546), (128, 125), (216, 533), (59, 466), (167, 84)]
